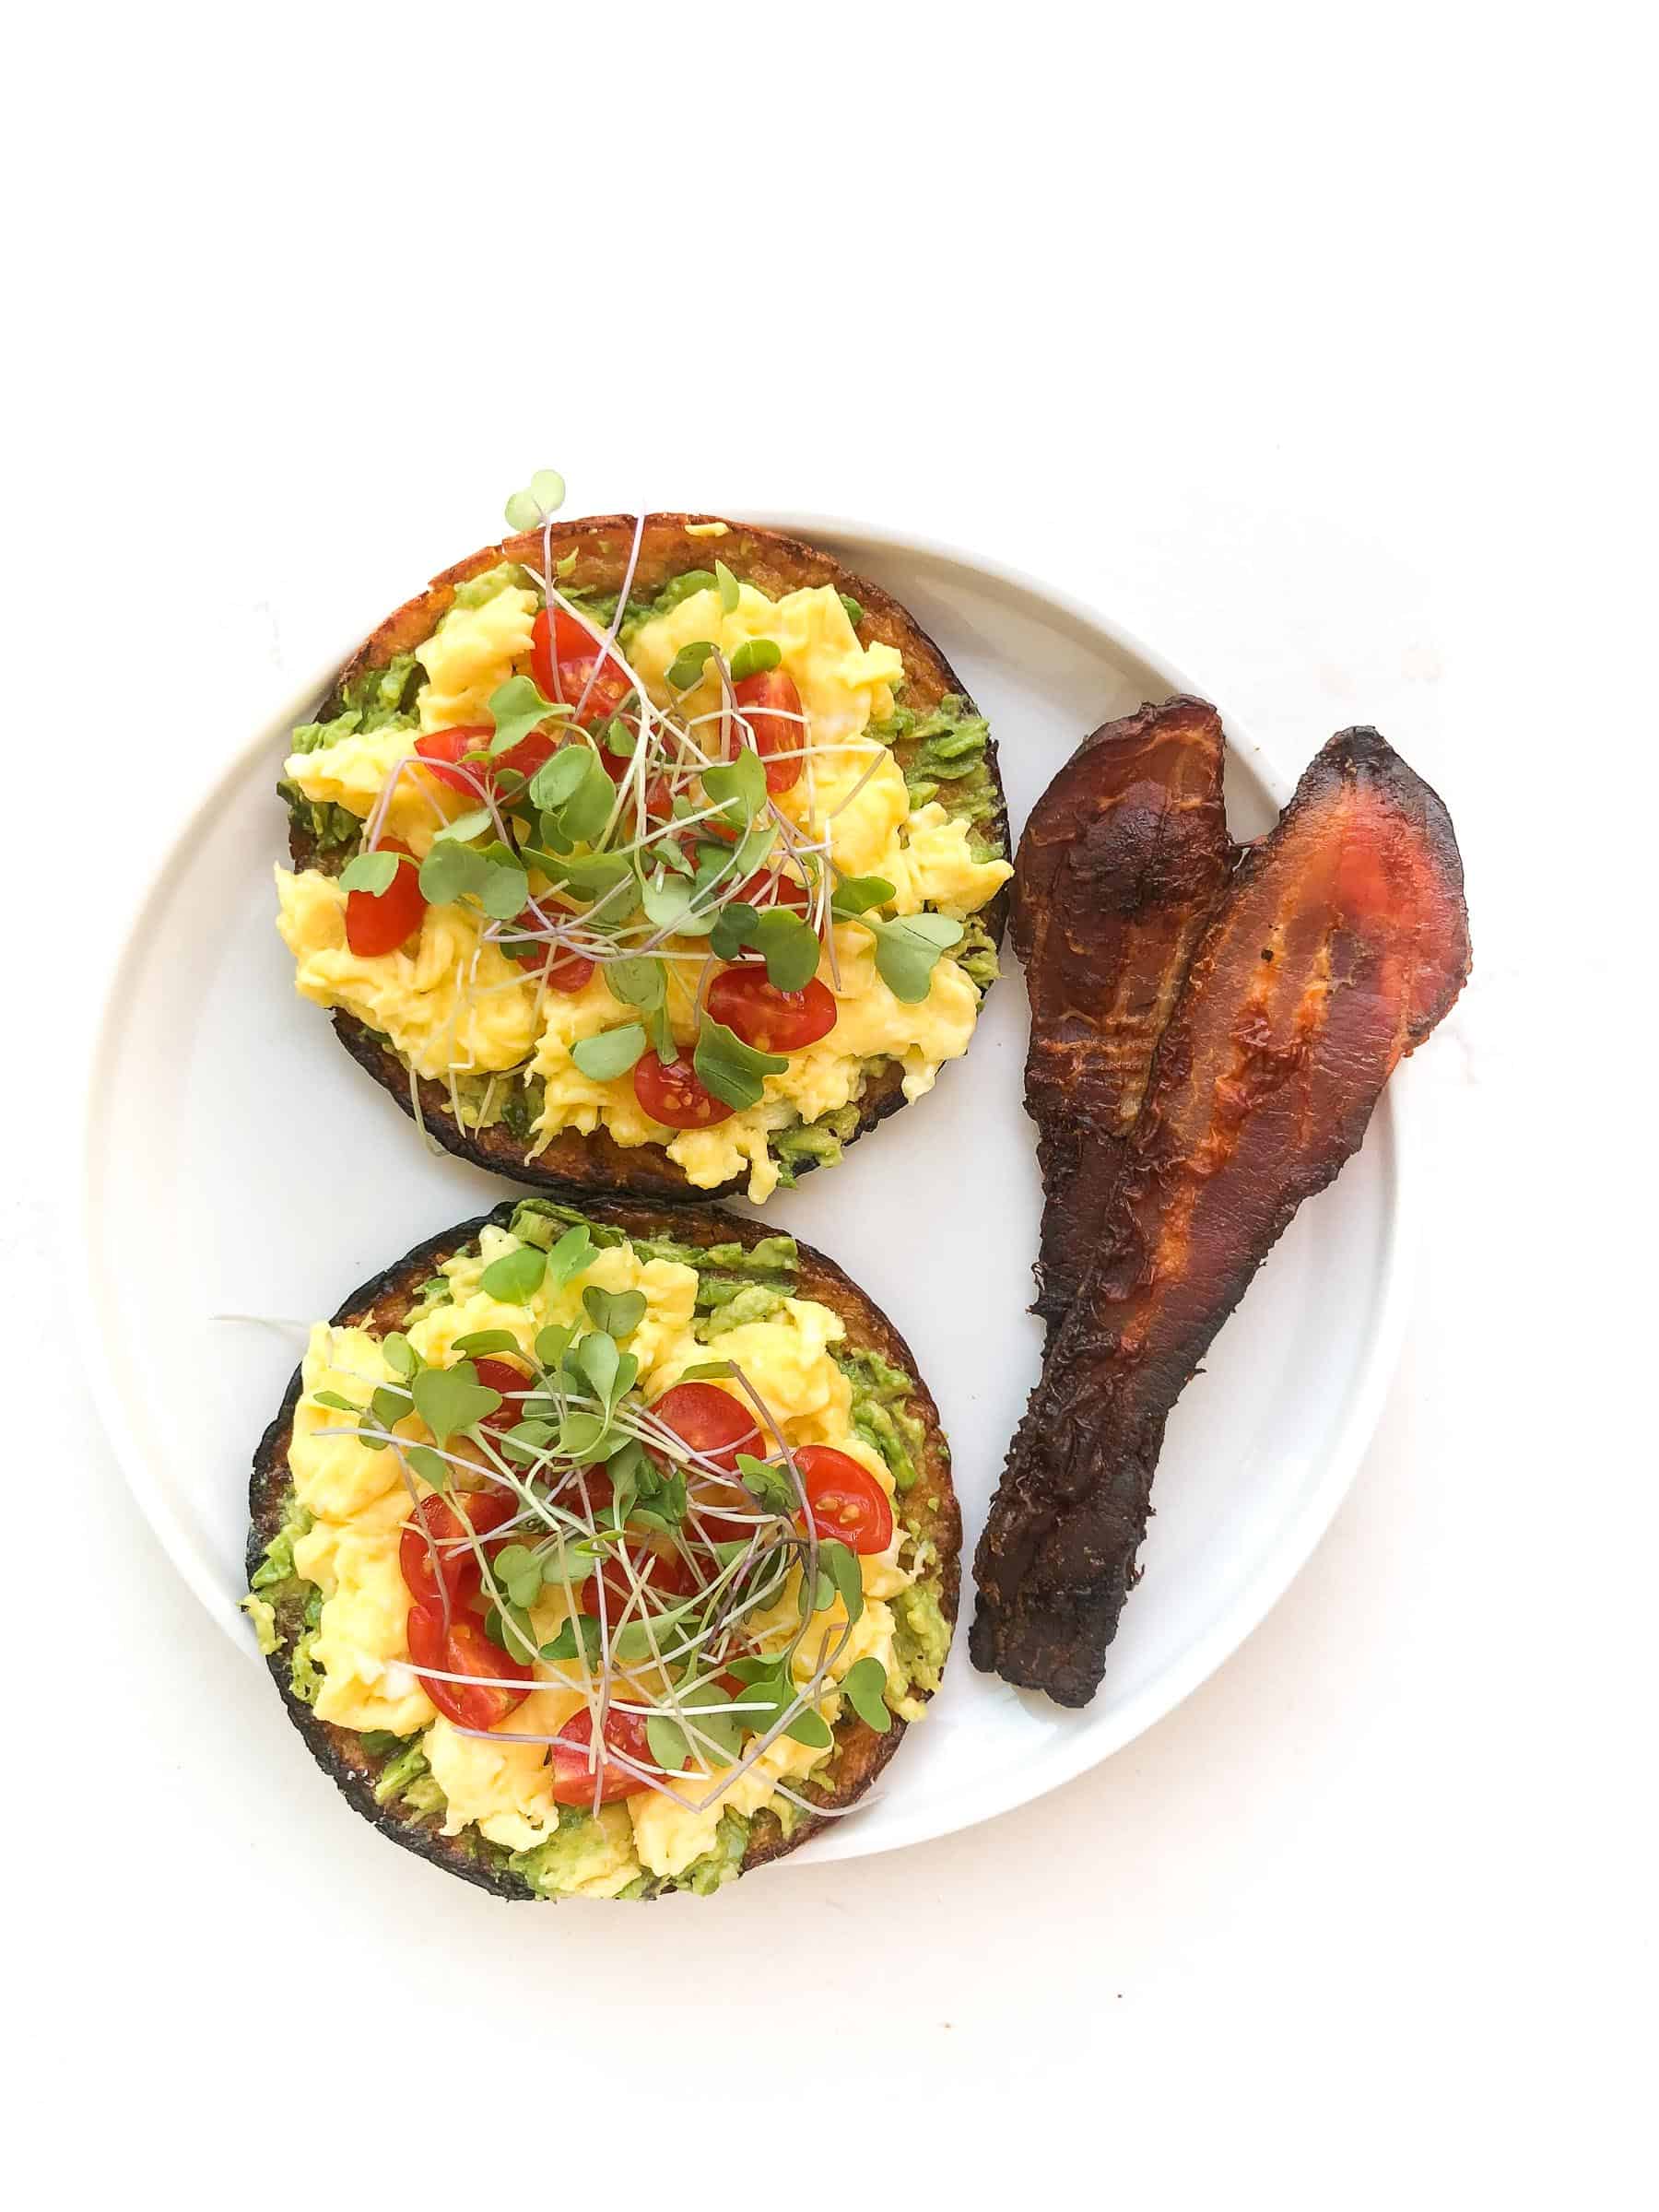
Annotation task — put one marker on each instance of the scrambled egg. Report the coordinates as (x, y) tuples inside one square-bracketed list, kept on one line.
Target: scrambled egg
[(360, 1502), (455, 1003)]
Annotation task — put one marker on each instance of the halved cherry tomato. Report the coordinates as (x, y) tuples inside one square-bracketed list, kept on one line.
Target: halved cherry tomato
[(709, 1420), (769, 1019), (463, 1648), (442, 749), (573, 1778), (766, 890), (596, 692), (673, 1094), (379, 922), (659, 800), (565, 971), (501, 1375), (663, 1572), (846, 1499), (432, 1544), (562, 638), (772, 706)]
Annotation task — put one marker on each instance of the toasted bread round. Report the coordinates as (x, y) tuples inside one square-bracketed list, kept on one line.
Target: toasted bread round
[(670, 546), (928, 1509)]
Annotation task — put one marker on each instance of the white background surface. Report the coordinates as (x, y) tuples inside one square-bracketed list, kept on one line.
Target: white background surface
[(1312, 346)]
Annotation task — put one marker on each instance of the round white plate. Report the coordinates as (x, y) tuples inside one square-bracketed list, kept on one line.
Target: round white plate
[(239, 1164)]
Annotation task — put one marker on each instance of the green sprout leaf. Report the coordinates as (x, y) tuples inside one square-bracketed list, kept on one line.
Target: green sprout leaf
[(611, 1053), (597, 1358), (543, 495), (728, 586), (516, 708), (732, 1070), (856, 894), (573, 1251), (865, 1684), (483, 1341), (423, 1461), (451, 1398), (768, 1483), (451, 870), (667, 1741), (687, 667), (854, 613), (667, 901), (505, 892), (737, 787), (809, 1726), (552, 1345), (564, 1645), (370, 872), (841, 1564), (789, 946), (586, 811), (516, 1276), (389, 1406), (557, 778), (908, 950), (755, 656), (638, 982), (518, 1571), (709, 1370), (731, 930), (465, 826), (399, 1354), (618, 1313), (334, 1402)]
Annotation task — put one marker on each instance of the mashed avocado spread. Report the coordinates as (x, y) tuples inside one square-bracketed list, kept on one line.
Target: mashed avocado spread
[(875, 861), (328, 1594)]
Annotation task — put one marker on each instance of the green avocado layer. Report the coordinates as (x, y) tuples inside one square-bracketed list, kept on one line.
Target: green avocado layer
[(736, 1284)]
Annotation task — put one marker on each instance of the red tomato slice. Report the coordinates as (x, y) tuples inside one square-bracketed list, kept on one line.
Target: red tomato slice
[(565, 971), (573, 1779), (502, 1375), (605, 689), (422, 1562), (673, 1095), (846, 1499), (563, 638), (437, 747), (709, 1420), (769, 1019), (463, 1649), (766, 890), (772, 706), (665, 1573), (379, 922)]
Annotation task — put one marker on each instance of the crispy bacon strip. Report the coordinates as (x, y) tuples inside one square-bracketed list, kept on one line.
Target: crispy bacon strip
[(1121, 862), (1341, 943)]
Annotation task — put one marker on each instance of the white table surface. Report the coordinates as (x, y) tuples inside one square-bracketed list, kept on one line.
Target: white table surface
[(1312, 354)]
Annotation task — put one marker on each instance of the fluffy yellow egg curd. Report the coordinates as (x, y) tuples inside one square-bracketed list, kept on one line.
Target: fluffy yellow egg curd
[(578, 910), (711, 1653)]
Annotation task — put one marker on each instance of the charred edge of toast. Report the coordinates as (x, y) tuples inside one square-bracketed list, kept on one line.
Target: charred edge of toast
[(597, 1165), (384, 1304)]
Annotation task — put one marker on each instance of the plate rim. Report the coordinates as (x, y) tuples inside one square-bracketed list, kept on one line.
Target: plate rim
[(1068, 1753)]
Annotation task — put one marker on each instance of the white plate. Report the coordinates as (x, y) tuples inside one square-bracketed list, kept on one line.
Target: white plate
[(238, 1163)]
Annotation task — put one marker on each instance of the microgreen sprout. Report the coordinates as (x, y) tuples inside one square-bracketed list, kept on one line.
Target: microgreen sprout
[(670, 1661), (598, 825)]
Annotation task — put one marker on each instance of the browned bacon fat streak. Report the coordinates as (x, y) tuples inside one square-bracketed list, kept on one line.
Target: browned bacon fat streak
[(1121, 862), (1340, 944)]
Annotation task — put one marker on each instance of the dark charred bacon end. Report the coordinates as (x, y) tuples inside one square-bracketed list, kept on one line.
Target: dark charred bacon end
[(1340, 944), (1121, 864)]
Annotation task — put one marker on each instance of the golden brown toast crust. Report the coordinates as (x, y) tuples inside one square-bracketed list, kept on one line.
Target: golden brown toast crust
[(929, 1509), (775, 564)]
